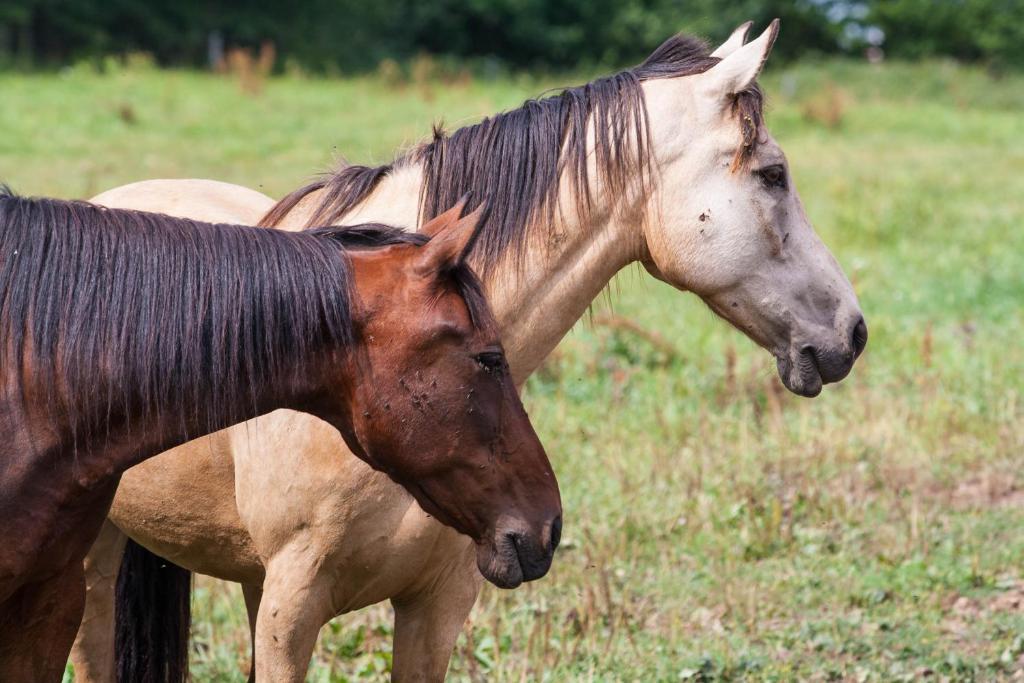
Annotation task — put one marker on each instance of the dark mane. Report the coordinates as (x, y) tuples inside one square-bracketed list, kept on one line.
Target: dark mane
[(367, 236), (517, 160), (170, 313)]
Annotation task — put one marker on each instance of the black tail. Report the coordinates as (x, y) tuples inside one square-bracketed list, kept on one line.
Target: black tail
[(153, 615)]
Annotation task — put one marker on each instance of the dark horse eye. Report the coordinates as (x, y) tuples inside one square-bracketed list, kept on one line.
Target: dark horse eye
[(492, 361), (773, 176)]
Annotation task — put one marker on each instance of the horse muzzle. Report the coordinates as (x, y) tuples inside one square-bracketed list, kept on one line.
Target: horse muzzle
[(807, 367), (515, 555)]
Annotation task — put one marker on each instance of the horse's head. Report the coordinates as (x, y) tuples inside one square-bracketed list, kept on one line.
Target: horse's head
[(727, 223), (437, 409)]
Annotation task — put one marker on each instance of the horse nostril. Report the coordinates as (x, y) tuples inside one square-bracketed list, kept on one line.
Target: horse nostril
[(556, 533), (860, 337)]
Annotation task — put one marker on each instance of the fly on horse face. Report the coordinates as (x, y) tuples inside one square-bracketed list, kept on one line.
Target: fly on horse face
[(668, 164), (125, 333)]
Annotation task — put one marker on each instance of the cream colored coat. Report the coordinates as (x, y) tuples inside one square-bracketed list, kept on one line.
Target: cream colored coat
[(280, 503)]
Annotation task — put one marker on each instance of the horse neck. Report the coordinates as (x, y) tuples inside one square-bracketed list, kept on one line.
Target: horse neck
[(537, 301), (565, 267)]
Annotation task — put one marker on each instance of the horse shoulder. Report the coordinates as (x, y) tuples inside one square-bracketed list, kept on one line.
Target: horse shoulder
[(181, 505), (298, 485)]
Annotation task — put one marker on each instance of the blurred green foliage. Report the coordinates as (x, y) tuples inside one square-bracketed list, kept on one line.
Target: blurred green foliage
[(355, 35), (990, 30)]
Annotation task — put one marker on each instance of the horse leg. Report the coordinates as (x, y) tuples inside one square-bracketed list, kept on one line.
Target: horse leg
[(93, 652), (295, 604), (428, 623), (253, 593), (38, 625)]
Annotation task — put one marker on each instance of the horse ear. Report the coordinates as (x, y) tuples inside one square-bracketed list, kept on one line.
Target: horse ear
[(740, 68), (450, 243), (443, 220), (734, 41)]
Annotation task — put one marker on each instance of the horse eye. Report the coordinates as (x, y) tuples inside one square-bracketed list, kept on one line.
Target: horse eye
[(773, 176), (492, 362)]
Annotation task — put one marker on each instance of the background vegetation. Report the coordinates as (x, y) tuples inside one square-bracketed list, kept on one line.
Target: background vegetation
[(717, 527), (352, 35)]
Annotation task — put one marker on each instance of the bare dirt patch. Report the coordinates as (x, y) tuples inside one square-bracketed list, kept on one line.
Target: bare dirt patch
[(988, 490)]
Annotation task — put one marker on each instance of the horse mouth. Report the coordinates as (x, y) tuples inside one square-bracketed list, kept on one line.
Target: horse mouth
[(513, 558), (500, 564), (802, 377)]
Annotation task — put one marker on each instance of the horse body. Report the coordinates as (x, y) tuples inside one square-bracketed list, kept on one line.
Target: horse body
[(127, 333), (364, 539), (313, 533)]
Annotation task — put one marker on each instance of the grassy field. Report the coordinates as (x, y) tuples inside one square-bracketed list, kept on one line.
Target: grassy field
[(717, 528)]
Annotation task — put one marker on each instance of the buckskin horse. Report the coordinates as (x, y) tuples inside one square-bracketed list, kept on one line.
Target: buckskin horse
[(125, 333), (668, 164)]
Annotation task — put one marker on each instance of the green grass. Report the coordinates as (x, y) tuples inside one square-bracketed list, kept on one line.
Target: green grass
[(717, 528)]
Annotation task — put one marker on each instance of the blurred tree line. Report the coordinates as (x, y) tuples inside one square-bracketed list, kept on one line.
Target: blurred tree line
[(357, 34)]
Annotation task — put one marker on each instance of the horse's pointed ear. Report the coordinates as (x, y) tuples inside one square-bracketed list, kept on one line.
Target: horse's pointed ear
[(450, 244), (740, 68), (734, 41), (441, 221)]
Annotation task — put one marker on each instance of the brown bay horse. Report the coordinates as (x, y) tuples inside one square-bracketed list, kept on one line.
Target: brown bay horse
[(125, 333), (669, 164)]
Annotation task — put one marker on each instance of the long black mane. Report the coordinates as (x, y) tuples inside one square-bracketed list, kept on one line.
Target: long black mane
[(517, 160), (107, 309)]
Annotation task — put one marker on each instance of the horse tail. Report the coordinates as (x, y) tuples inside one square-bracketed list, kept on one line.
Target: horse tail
[(152, 617)]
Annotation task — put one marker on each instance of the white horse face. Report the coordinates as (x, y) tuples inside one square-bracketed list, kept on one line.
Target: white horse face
[(731, 227)]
